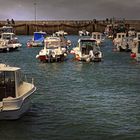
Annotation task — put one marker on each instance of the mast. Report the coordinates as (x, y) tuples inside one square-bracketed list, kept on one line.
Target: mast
[(35, 14)]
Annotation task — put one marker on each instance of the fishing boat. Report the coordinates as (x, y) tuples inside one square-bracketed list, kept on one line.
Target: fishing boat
[(54, 50), (98, 37), (135, 52), (15, 93), (9, 42), (122, 42), (87, 50), (37, 40)]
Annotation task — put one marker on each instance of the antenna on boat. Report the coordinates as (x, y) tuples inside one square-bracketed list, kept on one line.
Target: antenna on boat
[(35, 3)]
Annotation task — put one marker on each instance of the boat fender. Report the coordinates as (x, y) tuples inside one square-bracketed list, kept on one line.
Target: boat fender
[(3, 43), (133, 55), (8, 49)]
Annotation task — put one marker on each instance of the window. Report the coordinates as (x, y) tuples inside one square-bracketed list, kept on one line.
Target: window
[(98, 37), (7, 84), (19, 78)]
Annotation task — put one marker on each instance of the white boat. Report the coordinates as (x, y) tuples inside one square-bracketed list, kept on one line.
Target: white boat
[(9, 42), (60, 33), (87, 50), (15, 94), (123, 43), (37, 40), (54, 50), (84, 33), (98, 37), (135, 52)]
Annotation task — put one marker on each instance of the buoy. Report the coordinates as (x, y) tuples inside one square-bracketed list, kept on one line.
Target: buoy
[(133, 55)]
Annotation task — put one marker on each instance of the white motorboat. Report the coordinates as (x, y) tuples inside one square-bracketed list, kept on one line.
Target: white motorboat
[(55, 50), (9, 42), (15, 94), (87, 50), (123, 43)]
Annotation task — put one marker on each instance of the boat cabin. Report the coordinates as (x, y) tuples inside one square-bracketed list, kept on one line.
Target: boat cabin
[(121, 35), (97, 35), (6, 29), (39, 36), (60, 33), (8, 36), (52, 42), (10, 80), (86, 45)]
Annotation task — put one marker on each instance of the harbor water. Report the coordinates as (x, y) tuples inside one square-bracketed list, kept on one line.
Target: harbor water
[(77, 100)]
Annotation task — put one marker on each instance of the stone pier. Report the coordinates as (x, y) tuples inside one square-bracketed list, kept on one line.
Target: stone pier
[(70, 26)]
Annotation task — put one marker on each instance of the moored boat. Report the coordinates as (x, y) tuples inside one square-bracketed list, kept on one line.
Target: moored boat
[(123, 43), (9, 42), (55, 50), (37, 40), (15, 93), (87, 50)]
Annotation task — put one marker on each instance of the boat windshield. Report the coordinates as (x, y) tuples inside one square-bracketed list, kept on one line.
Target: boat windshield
[(87, 45), (6, 29), (52, 44), (19, 77), (8, 36), (7, 84)]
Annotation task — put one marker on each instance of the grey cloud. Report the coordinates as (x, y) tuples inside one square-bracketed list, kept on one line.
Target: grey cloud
[(70, 9)]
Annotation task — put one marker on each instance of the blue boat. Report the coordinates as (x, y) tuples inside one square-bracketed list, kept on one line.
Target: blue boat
[(37, 40)]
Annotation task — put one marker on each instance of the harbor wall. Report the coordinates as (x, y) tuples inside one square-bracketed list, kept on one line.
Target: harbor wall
[(70, 26)]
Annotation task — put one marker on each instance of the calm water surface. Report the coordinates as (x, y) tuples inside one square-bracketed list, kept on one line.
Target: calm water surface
[(76, 100)]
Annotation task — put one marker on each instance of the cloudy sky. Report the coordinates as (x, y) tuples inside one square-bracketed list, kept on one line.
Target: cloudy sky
[(69, 9)]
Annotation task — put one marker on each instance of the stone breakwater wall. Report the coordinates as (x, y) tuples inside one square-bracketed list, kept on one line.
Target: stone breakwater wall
[(70, 26)]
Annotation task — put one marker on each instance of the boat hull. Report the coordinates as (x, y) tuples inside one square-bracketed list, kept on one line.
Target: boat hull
[(16, 113), (10, 48), (44, 58)]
